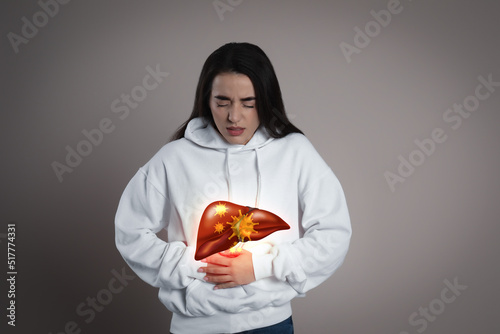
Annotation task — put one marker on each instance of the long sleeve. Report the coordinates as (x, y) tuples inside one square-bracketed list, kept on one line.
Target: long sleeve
[(323, 221), (142, 212), (310, 260)]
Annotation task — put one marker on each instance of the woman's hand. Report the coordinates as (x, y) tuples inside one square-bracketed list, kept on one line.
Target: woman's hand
[(228, 272)]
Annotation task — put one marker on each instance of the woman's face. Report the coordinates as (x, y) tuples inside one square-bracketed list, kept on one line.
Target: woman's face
[(232, 102)]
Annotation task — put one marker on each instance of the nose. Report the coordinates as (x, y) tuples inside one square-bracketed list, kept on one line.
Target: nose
[(235, 113)]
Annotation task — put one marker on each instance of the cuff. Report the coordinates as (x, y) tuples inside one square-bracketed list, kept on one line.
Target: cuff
[(262, 266), (192, 266)]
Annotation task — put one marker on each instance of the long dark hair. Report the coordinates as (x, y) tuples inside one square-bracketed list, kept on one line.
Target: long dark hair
[(250, 60)]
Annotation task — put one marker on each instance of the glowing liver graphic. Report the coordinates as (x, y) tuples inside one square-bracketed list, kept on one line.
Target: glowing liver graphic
[(225, 224)]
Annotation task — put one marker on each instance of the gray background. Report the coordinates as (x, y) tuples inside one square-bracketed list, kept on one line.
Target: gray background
[(440, 224)]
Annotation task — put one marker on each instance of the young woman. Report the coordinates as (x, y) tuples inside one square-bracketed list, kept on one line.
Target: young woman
[(239, 146)]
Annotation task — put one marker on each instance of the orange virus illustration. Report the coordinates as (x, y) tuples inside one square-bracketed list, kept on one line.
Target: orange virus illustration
[(219, 228), (244, 224), (220, 209)]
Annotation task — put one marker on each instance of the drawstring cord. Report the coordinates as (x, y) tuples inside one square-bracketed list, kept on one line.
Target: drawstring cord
[(259, 181), (228, 176), (257, 197)]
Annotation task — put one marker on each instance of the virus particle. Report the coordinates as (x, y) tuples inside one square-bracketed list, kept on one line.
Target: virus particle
[(242, 226), (219, 228), (220, 210), (234, 250)]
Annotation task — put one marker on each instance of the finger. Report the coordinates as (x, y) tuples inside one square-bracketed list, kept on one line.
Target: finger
[(214, 269), (209, 259), (225, 286), (217, 278), (218, 259)]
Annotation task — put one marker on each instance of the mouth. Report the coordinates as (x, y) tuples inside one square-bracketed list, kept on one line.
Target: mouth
[(235, 131)]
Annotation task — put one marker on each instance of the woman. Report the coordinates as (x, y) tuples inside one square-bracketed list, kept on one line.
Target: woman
[(237, 146)]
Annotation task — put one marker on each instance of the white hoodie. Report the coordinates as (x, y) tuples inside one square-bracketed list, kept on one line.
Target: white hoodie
[(285, 176)]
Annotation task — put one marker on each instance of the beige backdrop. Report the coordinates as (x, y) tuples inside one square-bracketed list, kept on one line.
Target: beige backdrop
[(394, 95)]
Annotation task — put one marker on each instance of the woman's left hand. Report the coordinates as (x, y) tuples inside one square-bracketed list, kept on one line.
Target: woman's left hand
[(228, 272)]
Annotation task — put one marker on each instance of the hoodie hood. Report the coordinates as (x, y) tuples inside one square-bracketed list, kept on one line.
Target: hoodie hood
[(202, 133)]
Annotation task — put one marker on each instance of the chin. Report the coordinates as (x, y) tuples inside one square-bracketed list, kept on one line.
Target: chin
[(236, 141)]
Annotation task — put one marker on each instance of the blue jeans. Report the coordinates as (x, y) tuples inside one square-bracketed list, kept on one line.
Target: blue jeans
[(284, 327)]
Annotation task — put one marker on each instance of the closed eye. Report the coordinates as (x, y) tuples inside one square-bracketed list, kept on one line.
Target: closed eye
[(224, 101)]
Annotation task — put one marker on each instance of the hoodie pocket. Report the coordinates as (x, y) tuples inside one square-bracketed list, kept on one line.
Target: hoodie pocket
[(203, 300), (197, 299)]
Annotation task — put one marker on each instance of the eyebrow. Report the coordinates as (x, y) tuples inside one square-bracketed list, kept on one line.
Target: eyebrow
[(225, 98)]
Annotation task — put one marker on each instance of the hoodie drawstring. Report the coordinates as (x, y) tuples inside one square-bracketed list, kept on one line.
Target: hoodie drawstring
[(228, 176), (257, 197), (259, 181)]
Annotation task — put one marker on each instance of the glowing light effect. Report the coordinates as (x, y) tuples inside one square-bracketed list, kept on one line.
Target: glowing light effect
[(220, 210), (234, 250)]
